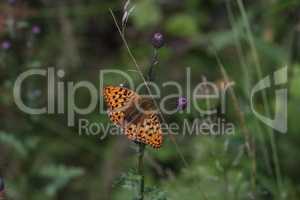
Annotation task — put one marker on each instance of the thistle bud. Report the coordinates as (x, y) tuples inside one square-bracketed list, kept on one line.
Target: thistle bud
[(158, 40)]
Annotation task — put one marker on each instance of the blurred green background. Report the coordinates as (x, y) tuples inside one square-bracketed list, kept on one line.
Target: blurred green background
[(42, 158)]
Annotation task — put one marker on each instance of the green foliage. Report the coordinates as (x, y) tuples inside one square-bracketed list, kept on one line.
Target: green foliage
[(130, 181), (60, 176), (42, 158), (182, 25), (295, 82), (18, 146), (146, 14), (154, 193)]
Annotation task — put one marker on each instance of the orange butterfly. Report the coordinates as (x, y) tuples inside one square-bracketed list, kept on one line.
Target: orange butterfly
[(134, 114)]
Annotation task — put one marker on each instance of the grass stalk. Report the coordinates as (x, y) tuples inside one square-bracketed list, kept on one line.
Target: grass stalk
[(257, 64)]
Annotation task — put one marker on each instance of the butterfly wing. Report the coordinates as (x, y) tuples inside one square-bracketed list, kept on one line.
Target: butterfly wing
[(144, 128), (117, 97), (118, 100), (147, 131)]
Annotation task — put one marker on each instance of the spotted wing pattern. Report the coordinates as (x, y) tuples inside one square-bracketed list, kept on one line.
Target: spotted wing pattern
[(117, 99), (146, 129)]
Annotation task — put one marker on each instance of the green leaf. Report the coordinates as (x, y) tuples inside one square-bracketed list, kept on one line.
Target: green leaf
[(146, 14), (60, 175), (15, 143), (182, 26)]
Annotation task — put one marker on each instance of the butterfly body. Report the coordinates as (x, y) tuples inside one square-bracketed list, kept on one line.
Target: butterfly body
[(134, 114)]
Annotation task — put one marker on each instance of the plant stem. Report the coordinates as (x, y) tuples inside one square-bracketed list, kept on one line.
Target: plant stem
[(153, 62), (141, 149), (141, 146)]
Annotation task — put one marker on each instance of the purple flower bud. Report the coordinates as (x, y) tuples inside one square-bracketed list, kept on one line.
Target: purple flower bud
[(35, 29), (182, 103), (6, 45), (2, 186), (158, 40)]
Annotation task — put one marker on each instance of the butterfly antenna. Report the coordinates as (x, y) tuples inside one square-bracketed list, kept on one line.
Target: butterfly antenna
[(139, 71)]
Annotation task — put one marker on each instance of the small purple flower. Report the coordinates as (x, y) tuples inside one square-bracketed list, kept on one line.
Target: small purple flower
[(6, 45), (182, 103), (158, 40), (35, 29)]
